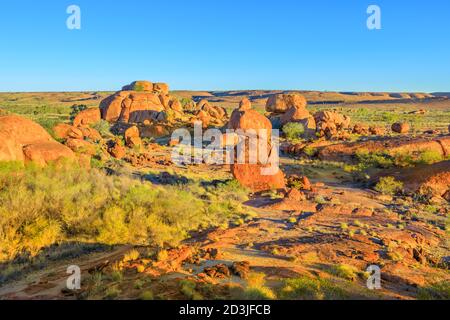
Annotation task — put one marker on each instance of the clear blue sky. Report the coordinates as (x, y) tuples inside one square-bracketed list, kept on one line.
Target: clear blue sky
[(226, 44)]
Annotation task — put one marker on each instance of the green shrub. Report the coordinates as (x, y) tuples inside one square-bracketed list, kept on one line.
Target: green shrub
[(373, 159), (146, 295), (293, 130), (305, 288), (436, 291), (44, 206), (388, 186), (430, 157), (256, 289)]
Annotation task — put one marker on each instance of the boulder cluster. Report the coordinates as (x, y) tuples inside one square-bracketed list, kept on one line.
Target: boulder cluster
[(141, 101), (208, 114), (291, 107)]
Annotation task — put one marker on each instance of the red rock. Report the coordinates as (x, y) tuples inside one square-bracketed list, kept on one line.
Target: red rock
[(81, 146), (87, 117), (401, 127), (46, 152), (361, 129), (281, 103), (24, 140), (245, 104), (377, 131), (61, 130), (117, 151), (139, 86), (296, 195), (75, 133), (250, 176), (161, 87)]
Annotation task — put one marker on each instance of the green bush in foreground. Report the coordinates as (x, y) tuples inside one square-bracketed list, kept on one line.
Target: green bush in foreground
[(45, 206)]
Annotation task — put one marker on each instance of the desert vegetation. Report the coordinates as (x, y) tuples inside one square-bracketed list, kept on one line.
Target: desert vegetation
[(88, 179)]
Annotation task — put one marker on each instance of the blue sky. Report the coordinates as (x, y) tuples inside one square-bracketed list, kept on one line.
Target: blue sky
[(226, 45)]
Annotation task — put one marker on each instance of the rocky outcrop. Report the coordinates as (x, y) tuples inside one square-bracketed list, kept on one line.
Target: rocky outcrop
[(25, 141), (87, 117), (285, 108), (345, 152), (141, 101), (331, 124), (208, 114), (280, 103), (431, 180)]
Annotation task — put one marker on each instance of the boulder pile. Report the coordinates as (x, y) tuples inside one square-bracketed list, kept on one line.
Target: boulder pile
[(141, 101), (208, 114), (291, 107), (285, 108), (332, 124)]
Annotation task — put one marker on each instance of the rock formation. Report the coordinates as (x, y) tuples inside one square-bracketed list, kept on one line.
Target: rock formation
[(25, 141), (208, 114), (331, 124), (248, 174), (141, 101), (285, 108)]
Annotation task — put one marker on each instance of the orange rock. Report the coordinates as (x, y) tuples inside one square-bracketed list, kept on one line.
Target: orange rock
[(24, 140), (154, 131), (280, 103), (250, 176), (132, 106), (377, 130), (117, 151), (296, 195), (161, 87), (361, 129), (401, 127), (204, 118), (87, 117), (134, 142), (139, 86), (75, 133), (131, 132), (81, 146), (90, 133), (245, 104), (46, 152), (61, 130)]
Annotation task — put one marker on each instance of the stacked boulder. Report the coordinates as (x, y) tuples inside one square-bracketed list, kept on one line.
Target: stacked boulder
[(249, 174), (79, 136), (141, 101), (285, 108), (332, 125), (25, 141), (208, 114)]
